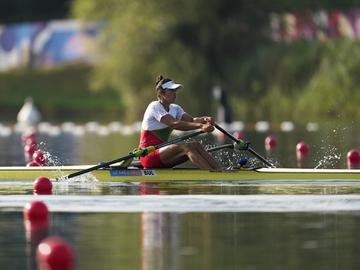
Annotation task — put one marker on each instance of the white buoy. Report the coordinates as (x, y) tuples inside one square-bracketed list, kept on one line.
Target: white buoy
[(92, 127), (103, 131), (287, 126), (262, 126), (237, 126), (5, 131), (68, 127), (312, 127), (28, 115), (115, 127)]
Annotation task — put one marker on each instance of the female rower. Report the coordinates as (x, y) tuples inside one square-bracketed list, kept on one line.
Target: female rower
[(160, 118)]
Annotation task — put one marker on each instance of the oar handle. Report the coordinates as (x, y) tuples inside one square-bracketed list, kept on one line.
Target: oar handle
[(249, 148)]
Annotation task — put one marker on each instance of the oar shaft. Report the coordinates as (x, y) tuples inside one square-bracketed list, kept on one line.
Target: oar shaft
[(261, 158), (216, 148), (226, 133), (180, 139), (136, 153), (249, 148), (101, 165)]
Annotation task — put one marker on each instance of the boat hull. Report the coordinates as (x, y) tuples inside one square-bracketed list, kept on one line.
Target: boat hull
[(161, 175)]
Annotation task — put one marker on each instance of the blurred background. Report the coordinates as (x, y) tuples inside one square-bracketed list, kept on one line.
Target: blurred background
[(260, 65), (84, 60)]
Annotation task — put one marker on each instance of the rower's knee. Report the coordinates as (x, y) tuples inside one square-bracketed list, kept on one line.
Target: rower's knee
[(192, 146)]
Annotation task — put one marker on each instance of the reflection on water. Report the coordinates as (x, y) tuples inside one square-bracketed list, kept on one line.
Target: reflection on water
[(190, 188), (188, 203), (195, 240), (160, 241)]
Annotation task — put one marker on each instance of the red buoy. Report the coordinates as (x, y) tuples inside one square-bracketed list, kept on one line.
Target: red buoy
[(302, 150), (30, 140), (28, 137), (270, 143), (42, 185), (239, 135), (39, 157), (29, 150), (36, 231), (33, 164), (36, 211), (54, 253), (36, 221), (353, 159)]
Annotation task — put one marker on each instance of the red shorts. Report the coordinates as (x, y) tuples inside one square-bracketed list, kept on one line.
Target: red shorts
[(152, 160)]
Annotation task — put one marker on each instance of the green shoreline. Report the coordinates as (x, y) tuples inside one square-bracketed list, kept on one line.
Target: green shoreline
[(300, 82), (61, 94)]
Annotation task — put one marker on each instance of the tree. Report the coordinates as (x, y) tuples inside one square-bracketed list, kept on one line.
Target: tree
[(195, 42), (200, 43)]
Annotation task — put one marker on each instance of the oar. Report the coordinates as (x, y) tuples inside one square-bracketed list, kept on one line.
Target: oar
[(248, 149), (136, 153), (220, 147)]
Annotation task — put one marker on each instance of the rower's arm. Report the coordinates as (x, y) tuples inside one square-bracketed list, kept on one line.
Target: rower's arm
[(203, 119), (184, 125)]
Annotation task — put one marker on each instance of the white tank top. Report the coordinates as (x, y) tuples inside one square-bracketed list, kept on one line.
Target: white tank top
[(155, 111)]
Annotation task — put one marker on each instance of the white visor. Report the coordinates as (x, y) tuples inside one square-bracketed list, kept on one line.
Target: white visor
[(171, 85)]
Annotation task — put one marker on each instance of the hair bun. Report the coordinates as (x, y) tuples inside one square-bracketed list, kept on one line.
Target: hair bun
[(159, 79)]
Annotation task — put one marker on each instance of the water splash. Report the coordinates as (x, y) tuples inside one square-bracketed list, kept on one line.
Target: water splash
[(84, 178), (328, 151), (52, 159), (328, 161)]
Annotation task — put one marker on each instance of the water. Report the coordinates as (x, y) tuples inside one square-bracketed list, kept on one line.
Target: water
[(206, 240), (188, 203), (211, 225), (93, 143), (189, 225)]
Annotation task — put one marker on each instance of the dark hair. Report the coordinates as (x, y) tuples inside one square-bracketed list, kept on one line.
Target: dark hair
[(159, 81)]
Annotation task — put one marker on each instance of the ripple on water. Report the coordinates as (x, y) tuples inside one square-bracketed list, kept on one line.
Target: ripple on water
[(188, 203)]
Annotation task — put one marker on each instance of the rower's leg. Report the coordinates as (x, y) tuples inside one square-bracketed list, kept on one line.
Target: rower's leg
[(172, 155), (195, 148), (209, 158), (176, 154)]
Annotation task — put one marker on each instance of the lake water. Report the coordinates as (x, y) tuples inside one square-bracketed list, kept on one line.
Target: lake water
[(189, 225)]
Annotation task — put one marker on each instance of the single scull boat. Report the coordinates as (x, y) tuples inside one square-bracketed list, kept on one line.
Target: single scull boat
[(133, 174)]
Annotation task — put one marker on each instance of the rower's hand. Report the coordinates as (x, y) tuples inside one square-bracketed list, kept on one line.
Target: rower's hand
[(207, 127), (242, 145), (210, 120), (204, 120)]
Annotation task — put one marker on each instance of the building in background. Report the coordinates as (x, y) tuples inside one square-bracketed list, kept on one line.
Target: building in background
[(47, 44), (312, 25)]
